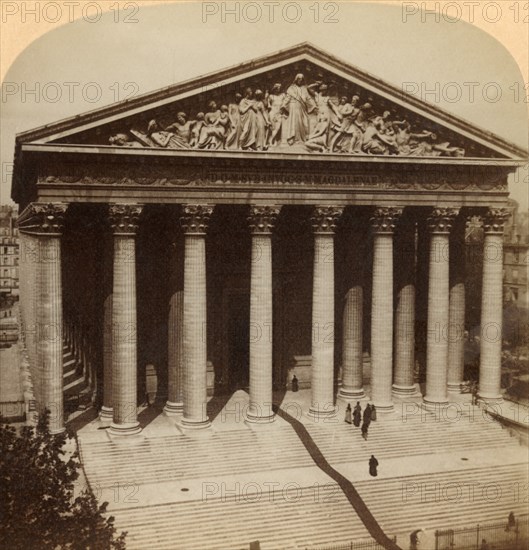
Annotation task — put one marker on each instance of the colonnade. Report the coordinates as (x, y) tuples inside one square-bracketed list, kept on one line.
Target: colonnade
[(392, 328)]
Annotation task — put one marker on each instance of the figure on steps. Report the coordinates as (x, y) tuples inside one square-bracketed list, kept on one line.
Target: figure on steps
[(373, 464)]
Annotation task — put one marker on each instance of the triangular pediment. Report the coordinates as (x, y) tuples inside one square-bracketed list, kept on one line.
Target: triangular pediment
[(335, 108)]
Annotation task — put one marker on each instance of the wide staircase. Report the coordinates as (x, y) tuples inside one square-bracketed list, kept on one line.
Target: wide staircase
[(229, 487)]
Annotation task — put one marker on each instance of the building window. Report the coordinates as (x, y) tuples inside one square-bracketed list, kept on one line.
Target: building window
[(514, 275)]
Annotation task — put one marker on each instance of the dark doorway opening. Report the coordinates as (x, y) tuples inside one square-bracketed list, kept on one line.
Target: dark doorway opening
[(237, 331)]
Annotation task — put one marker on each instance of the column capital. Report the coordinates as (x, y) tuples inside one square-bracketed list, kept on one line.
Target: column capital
[(124, 218), (440, 220), (494, 220), (262, 219), (324, 219), (195, 218), (384, 219), (43, 218)]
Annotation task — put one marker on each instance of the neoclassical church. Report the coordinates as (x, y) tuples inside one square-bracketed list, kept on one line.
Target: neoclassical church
[(289, 216)]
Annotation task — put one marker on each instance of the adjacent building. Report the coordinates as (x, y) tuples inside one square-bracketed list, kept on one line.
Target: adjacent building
[(9, 252)]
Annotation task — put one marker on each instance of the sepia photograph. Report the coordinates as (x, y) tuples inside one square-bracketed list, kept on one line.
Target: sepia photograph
[(264, 275)]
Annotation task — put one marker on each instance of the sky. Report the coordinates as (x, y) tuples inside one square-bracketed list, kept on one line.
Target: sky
[(91, 54)]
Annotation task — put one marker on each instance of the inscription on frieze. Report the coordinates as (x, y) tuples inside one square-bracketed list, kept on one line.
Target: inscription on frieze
[(204, 177)]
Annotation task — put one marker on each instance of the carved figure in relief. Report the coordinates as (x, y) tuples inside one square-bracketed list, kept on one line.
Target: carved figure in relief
[(213, 132), (262, 122), (122, 140), (319, 137), (181, 128), (348, 136), (304, 115), (165, 139), (326, 109), (297, 105), (234, 132), (274, 101), (248, 110), (374, 141), (197, 129)]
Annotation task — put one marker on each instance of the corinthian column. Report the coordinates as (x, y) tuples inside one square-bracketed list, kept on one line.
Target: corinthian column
[(46, 222), (383, 223), (324, 223), (456, 324), (439, 223), (403, 383), (261, 220), (194, 222), (124, 222), (492, 306)]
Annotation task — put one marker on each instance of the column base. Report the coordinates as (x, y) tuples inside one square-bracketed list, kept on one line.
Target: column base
[(454, 387), (350, 394), (106, 414), (432, 405), (384, 407), (173, 409), (251, 419), (489, 399), (126, 429), (316, 414), (404, 391), (191, 424)]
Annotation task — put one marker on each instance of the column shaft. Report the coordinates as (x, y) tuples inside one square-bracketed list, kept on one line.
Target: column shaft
[(261, 221), (124, 221), (194, 222), (106, 412), (456, 328), (175, 397), (438, 308), (383, 223), (352, 348), (260, 408), (175, 355), (492, 307), (195, 319), (50, 343), (382, 322), (124, 351), (403, 383), (322, 383), (43, 223)]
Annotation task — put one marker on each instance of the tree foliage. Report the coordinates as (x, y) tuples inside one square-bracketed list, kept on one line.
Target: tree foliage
[(37, 503)]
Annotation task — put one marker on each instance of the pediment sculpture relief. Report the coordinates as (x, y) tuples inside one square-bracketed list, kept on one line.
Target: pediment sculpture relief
[(302, 119)]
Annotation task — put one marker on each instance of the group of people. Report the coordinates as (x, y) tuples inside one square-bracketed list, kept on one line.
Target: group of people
[(304, 114), (355, 416)]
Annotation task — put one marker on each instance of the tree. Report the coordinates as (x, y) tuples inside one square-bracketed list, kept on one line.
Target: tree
[(37, 503)]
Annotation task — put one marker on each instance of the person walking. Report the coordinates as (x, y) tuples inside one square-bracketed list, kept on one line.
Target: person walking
[(295, 383), (357, 414), (364, 430), (367, 414), (348, 414), (373, 464), (373, 413)]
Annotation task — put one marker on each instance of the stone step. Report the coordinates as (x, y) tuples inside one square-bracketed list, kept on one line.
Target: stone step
[(329, 520)]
